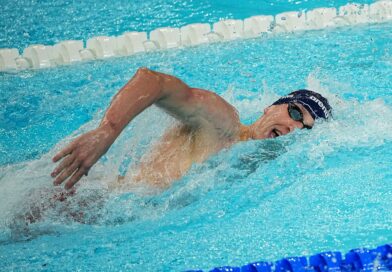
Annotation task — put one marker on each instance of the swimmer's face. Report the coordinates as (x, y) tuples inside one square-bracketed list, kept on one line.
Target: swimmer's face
[(276, 122)]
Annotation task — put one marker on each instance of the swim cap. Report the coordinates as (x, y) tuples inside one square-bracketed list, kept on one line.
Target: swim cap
[(313, 102)]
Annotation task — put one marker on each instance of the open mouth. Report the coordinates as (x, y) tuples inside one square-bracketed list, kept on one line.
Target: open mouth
[(275, 133)]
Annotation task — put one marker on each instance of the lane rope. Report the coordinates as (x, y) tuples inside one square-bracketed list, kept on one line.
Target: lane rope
[(359, 260), (129, 43)]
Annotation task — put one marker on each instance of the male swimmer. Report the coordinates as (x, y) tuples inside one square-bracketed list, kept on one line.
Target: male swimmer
[(207, 125)]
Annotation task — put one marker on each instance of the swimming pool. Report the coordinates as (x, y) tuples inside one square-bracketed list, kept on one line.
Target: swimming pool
[(295, 195)]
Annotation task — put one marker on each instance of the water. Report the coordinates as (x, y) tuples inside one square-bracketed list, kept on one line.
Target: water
[(26, 22), (327, 189)]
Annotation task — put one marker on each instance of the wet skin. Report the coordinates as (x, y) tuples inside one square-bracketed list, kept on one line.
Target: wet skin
[(207, 124)]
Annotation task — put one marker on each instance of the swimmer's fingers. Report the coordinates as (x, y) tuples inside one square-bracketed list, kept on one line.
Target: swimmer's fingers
[(64, 152), (75, 178), (65, 163), (67, 172)]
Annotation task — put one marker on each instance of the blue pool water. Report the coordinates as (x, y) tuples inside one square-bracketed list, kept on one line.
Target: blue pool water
[(307, 192), (26, 22)]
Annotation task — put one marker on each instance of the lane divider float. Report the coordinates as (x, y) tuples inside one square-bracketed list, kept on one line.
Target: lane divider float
[(71, 51), (358, 260)]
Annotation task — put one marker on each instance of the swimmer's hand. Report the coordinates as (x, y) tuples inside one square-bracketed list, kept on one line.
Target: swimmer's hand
[(81, 154)]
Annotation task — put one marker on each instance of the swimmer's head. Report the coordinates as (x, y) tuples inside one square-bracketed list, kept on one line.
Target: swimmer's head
[(297, 110), (316, 104)]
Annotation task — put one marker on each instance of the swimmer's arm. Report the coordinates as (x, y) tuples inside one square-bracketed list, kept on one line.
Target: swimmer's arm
[(194, 107), (198, 108)]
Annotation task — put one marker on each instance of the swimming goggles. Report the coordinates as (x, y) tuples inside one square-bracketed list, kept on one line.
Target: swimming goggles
[(296, 114)]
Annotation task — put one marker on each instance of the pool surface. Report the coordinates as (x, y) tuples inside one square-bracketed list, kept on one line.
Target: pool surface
[(24, 23), (307, 192)]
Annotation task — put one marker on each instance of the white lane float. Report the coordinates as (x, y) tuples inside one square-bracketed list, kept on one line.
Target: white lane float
[(101, 47)]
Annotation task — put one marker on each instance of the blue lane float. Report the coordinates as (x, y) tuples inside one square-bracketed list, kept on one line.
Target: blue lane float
[(358, 260)]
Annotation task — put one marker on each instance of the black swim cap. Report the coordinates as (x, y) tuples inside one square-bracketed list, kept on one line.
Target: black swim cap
[(313, 102)]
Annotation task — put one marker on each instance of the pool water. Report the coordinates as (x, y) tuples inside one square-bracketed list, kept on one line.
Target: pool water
[(26, 22), (310, 191)]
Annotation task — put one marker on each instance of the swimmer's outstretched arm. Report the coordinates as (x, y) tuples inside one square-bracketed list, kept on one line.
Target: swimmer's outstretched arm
[(194, 107)]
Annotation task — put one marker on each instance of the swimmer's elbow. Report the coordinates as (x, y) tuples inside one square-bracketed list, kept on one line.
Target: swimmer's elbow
[(150, 76), (143, 71), (169, 88)]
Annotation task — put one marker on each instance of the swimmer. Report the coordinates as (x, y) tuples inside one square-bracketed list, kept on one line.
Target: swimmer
[(207, 124)]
